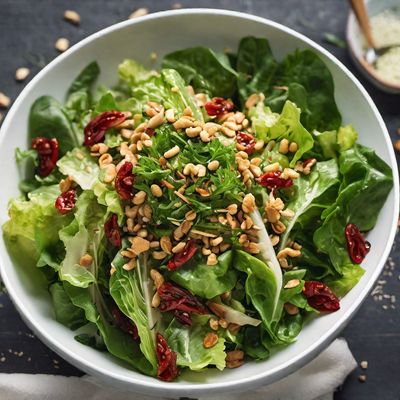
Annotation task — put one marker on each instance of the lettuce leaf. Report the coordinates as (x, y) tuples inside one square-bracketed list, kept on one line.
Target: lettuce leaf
[(187, 342)]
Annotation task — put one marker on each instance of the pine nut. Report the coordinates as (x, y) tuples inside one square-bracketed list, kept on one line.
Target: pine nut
[(232, 209), (172, 152), (190, 215), (105, 159), (204, 136), (110, 173), (156, 190), (62, 45), (157, 278), (156, 121), (212, 259), (210, 340), (5, 101), (193, 131), (293, 147), (252, 100), (159, 255), (170, 115), (201, 170), (213, 165), (292, 284), (86, 260), (179, 247), (274, 167), (139, 198), (21, 74), (140, 12), (291, 309), (284, 146), (72, 17)]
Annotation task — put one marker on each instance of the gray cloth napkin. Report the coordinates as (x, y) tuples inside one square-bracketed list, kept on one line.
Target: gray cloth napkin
[(315, 381)]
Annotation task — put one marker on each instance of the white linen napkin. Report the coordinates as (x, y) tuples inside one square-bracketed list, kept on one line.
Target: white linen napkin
[(315, 381)]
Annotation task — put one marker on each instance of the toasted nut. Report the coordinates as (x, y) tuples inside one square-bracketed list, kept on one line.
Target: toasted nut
[(252, 100), (72, 16), (232, 209), (278, 227), (274, 240), (291, 309), (5, 101), (142, 233), (259, 145), (21, 74), (289, 173), (210, 340), (232, 221), (156, 190), (288, 252), (362, 378), (274, 167), (157, 278), (172, 152), (179, 247), (156, 300), (288, 213), (139, 198), (243, 165), (203, 192), (156, 121), (213, 165), (284, 146), (205, 251), (216, 241), (292, 284), (213, 322), (183, 123), (204, 136), (105, 159), (396, 145), (155, 244), (170, 115), (201, 170), (110, 173), (230, 133), (364, 364), (293, 147), (185, 226), (140, 12), (193, 132), (249, 203), (140, 245), (256, 171), (131, 212), (187, 112), (212, 259), (128, 253), (131, 264), (223, 323), (252, 248), (65, 184), (86, 260), (62, 44), (272, 214), (159, 255)]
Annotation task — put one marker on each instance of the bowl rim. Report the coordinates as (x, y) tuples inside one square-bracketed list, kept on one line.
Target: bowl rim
[(268, 376)]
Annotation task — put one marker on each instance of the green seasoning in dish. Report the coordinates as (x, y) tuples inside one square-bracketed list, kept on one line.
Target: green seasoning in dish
[(193, 217)]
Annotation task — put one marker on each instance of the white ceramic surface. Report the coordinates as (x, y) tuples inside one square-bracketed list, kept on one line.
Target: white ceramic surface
[(356, 45), (163, 32)]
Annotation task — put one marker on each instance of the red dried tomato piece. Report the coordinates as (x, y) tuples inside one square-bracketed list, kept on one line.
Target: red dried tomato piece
[(357, 246), (124, 181), (48, 154), (185, 255), (112, 231), (96, 129), (320, 297), (176, 298), (167, 369), (124, 323), (273, 180), (246, 141), (150, 131), (183, 317), (218, 106), (65, 202)]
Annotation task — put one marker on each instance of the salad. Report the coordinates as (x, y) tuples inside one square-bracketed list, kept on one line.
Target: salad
[(197, 216)]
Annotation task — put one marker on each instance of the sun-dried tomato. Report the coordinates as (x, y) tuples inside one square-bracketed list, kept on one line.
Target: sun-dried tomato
[(357, 246), (185, 255), (124, 181), (173, 298), (218, 106), (320, 297), (112, 231), (65, 202), (183, 317), (150, 131), (246, 141), (273, 180), (96, 129), (167, 369), (123, 322), (48, 154)]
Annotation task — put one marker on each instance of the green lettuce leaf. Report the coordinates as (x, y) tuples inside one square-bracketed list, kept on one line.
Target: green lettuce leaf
[(132, 72), (341, 285), (78, 164), (206, 282), (346, 137), (187, 342), (205, 70)]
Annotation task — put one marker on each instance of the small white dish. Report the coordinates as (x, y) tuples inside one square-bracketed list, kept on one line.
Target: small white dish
[(162, 33), (356, 45)]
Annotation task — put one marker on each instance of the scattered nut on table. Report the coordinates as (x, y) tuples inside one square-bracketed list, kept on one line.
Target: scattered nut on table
[(139, 12), (21, 74), (62, 44), (72, 16), (5, 101)]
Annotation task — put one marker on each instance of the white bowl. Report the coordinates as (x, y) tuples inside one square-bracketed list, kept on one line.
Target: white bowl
[(162, 33), (356, 45)]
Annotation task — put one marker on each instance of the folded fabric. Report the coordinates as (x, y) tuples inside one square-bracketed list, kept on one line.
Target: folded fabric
[(315, 381)]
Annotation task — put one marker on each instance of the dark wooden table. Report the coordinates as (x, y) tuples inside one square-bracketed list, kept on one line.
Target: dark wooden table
[(28, 31)]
